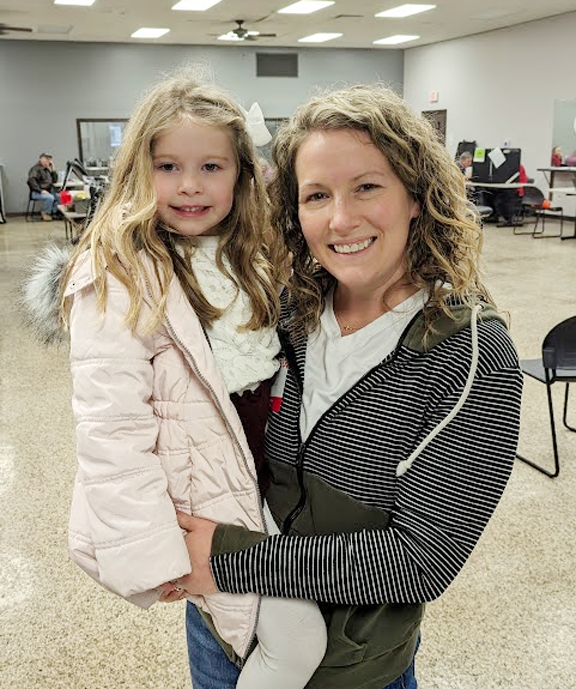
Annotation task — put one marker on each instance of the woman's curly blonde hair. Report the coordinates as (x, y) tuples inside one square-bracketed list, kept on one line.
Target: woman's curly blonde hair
[(444, 247), (125, 234)]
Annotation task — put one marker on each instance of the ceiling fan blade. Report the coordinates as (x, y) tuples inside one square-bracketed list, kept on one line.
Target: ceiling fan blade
[(4, 28)]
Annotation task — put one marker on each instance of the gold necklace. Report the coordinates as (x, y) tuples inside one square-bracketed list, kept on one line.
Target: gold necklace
[(346, 328)]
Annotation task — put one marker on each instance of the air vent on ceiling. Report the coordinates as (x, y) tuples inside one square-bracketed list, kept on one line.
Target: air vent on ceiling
[(276, 64)]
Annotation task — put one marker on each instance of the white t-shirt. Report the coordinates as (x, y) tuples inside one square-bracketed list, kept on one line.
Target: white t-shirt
[(335, 363), (245, 357)]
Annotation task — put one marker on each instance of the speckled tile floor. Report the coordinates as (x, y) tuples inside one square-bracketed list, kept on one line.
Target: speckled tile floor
[(509, 619)]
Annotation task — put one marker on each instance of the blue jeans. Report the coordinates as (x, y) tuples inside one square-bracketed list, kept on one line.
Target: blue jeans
[(210, 668), (49, 201)]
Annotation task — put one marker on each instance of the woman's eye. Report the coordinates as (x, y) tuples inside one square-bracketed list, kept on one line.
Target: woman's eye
[(369, 186), (317, 196)]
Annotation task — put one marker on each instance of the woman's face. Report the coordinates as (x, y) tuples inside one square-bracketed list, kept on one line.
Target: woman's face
[(354, 211)]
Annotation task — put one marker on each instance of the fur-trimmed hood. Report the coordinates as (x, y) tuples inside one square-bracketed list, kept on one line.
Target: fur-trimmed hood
[(39, 294)]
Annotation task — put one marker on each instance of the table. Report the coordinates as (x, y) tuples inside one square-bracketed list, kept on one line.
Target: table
[(73, 222), (569, 193), (502, 186), (551, 173)]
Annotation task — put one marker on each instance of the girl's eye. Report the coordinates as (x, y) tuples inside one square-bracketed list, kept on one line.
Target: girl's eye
[(211, 167), (167, 167)]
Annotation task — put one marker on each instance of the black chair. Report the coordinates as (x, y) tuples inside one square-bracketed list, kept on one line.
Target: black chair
[(31, 211), (557, 365), (532, 207)]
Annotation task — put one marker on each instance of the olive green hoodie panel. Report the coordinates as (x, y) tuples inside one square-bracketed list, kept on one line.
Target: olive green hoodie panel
[(444, 327)]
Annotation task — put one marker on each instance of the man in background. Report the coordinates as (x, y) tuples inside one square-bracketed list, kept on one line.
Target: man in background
[(465, 163), (41, 180)]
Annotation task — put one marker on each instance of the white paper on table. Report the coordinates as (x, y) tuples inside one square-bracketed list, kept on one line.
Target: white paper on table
[(497, 157)]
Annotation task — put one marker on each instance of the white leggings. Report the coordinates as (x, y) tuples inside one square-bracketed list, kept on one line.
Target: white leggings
[(291, 640)]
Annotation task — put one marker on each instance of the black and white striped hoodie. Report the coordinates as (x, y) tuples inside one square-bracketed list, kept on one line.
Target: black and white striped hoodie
[(383, 503)]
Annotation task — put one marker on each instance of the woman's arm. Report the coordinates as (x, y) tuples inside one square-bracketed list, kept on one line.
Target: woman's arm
[(443, 504)]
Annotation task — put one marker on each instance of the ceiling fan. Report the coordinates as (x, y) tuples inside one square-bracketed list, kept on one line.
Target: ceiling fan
[(239, 33), (4, 29)]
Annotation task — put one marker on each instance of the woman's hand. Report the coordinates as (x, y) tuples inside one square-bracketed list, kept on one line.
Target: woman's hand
[(170, 593), (199, 543)]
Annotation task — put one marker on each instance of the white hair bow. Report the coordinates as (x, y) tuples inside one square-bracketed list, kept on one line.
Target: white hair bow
[(256, 126)]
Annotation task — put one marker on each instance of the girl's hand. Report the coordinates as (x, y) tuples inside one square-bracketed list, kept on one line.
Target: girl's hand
[(199, 543)]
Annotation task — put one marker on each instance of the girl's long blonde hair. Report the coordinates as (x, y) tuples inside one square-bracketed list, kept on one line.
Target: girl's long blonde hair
[(125, 233), (445, 240)]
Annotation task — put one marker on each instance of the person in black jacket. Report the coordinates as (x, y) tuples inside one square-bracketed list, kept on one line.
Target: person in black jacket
[(41, 180)]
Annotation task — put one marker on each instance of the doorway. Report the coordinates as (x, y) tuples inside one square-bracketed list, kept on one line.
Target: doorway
[(438, 120)]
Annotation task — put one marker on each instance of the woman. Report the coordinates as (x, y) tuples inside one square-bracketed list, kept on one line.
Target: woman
[(394, 429)]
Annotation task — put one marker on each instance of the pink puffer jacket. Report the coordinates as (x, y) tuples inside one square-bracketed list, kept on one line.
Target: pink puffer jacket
[(156, 431)]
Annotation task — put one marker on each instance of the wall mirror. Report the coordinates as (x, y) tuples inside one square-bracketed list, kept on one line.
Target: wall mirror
[(564, 131), (98, 141)]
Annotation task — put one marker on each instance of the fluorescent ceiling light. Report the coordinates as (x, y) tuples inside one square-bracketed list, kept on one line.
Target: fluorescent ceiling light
[(82, 3), (231, 36), (149, 33), (195, 5), (306, 7), (405, 10), (394, 40), (319, 37)]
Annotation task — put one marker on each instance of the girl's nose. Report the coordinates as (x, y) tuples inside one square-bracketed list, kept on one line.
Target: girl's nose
[(190, 183)]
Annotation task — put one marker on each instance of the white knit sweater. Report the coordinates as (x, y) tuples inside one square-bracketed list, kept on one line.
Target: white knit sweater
[(245, 357)]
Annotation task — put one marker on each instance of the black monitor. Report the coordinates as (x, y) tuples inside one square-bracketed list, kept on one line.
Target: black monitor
[(508, 171)]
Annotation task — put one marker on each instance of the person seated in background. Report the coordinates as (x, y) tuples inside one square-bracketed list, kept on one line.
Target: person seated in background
[(507, 203), (41, 180), (465, 164), (556, 160)]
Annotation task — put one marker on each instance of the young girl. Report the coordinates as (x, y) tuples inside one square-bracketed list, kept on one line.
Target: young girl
[(171, 300)]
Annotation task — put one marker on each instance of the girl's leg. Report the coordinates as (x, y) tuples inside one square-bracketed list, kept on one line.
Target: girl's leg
[(291, 641), (210, 667)]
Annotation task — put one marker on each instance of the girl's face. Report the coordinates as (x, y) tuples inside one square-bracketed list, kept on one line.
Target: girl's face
[(194, 172), (354, 211)]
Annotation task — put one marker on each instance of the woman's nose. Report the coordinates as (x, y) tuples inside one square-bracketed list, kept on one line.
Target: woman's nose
[(344, 216)]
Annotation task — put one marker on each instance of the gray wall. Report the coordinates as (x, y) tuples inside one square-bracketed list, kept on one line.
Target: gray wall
[(45, 86), (499, 87)]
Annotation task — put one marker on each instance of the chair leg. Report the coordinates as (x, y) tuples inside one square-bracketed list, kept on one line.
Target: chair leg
[(565, 415), (546, 472), (542, 234)]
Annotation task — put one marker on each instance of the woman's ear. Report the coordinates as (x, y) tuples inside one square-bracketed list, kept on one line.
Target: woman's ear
[(415, 209)]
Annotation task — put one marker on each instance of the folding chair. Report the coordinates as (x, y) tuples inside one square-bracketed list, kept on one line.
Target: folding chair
[(532, 205), (31, 211), (557, 365)]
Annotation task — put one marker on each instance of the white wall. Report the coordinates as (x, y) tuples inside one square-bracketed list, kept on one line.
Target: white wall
[(500, 86), (45, 86)]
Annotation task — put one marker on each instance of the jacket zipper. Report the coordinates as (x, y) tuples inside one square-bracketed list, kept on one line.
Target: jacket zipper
[(303, 444), (195, 368)]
